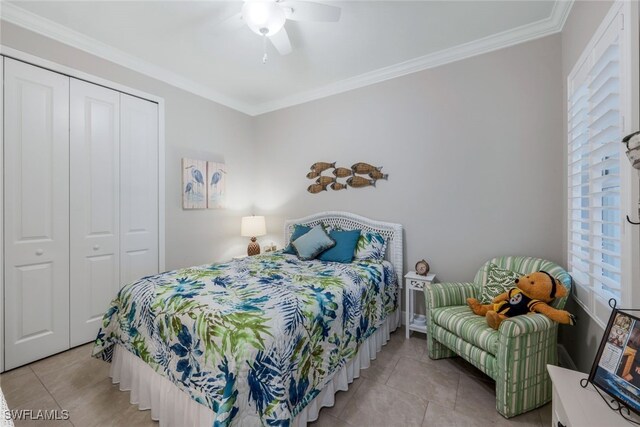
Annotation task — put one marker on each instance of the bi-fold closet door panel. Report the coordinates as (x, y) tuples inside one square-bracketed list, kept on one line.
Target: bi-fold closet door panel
[(138, 188), (36, 213), (1, 214), (80, 206), (94, 185)]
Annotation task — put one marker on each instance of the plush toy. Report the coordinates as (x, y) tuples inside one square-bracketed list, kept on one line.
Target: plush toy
[(532, 294)]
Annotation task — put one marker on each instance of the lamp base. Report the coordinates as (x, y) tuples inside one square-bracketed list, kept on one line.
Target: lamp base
[(253, 248)]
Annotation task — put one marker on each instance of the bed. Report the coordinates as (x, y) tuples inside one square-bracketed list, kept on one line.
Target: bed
[(264, 340)]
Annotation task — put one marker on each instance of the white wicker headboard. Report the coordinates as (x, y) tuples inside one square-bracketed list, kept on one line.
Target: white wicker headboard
[(348, 221)]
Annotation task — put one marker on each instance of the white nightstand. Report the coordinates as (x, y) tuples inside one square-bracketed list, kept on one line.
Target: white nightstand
[(414, 282)]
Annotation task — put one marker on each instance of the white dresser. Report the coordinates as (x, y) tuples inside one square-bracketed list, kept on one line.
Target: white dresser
[(574, 406)]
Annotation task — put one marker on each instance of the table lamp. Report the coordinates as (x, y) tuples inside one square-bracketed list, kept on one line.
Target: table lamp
[(253, 226)]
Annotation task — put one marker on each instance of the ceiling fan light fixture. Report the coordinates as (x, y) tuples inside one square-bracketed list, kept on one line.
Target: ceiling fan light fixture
[(264, 18)]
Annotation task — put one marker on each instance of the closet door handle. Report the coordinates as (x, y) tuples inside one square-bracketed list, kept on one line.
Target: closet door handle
[(39, 252), (96, 247)]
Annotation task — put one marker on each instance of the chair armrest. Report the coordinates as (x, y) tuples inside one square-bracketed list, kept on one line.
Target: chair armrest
[(526, 324), (448, 294)]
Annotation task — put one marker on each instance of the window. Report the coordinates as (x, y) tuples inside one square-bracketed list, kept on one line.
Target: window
[(597, 169)]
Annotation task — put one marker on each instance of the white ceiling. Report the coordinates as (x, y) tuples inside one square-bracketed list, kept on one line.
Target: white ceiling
[(373, 40)]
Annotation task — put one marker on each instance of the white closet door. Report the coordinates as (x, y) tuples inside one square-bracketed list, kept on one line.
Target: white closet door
[(138, 188), (36, 215), (1, 215), (95, 206)]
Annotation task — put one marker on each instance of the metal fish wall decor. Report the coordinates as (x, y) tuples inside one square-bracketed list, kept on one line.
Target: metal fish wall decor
[(360, 182), (322, 166), (337, 186), (370, 174), (364, 168), (376, 174), (342, 172), (316, 188), (325, 180)]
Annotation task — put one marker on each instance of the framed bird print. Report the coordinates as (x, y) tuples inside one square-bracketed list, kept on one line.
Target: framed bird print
[(194, 186), (216, 185)]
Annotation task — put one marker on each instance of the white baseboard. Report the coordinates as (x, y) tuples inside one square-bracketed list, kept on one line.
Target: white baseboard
[(564, 359)]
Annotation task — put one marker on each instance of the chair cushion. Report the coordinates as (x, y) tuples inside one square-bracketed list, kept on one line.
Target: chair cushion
[(479, 358), (461, 321)]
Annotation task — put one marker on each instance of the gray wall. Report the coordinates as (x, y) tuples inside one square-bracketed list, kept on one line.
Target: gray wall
[(195, 127), (583, 339), (473, 151)]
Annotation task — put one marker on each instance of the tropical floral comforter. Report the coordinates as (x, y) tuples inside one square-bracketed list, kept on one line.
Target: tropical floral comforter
[(256, 339)]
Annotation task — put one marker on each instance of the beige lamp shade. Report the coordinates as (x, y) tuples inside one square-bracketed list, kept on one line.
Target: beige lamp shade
[(253, 226)]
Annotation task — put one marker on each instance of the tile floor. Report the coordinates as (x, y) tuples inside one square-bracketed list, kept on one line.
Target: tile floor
[(403, 387)]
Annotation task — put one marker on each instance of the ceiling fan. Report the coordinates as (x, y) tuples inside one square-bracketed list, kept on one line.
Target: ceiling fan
[(267, 18)]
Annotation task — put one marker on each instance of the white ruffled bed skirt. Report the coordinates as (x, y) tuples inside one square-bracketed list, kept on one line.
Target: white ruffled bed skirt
[(4, 410), (173, 407)]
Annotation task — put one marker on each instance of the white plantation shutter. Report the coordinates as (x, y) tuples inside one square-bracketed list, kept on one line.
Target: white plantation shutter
[(595, 155)]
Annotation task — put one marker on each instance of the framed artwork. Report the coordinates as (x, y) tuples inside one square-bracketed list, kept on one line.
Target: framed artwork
[(216, 185), (194, 187), (616, 368)]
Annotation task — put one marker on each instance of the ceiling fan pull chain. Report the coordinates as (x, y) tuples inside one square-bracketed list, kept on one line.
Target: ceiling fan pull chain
[(264, 47)]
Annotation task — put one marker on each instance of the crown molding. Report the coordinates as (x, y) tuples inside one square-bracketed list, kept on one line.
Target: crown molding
[(9, 12), (551, 25), (560, 13)]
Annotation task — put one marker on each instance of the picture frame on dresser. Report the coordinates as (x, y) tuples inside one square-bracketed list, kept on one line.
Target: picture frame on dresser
[(580, 401), (616, 367)]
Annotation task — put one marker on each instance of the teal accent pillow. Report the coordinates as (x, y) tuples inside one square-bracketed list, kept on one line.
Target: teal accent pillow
[(345, 248), (499, 280), (313, 243), (371, 246), (298, 230)]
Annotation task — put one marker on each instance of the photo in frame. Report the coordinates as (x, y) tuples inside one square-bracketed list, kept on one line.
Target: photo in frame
[(194, 187), (216, 185), (616, 368)]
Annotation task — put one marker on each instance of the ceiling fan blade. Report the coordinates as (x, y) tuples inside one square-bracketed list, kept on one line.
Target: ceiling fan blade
[(232, 23), (309, 11), (280, 41)]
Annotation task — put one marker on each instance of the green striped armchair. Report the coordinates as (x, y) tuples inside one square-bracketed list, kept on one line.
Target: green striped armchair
[(516, 355)]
